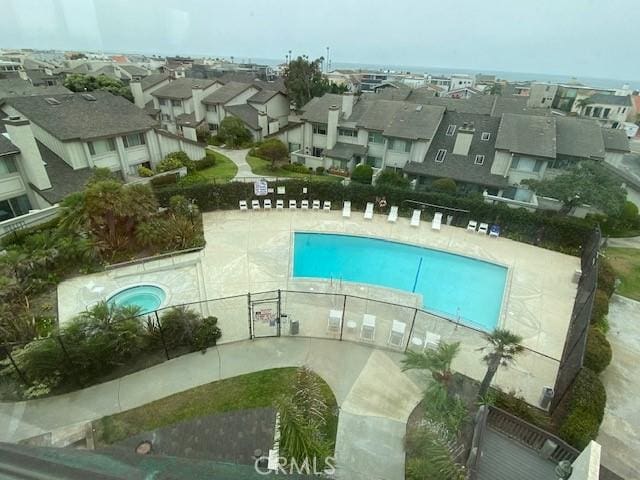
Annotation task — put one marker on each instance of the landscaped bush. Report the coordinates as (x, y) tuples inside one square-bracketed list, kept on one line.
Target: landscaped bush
[(296, 167), (144, 171), (606, 277), (393, 179), (206, 162), (598, 354), (164, 180), (584, 410), (234, 133), (362, 174), (173, 161), (272, 150), (215, 140), (520, 408), (182, 327), (320, 170), (600, 306), (447, 185)]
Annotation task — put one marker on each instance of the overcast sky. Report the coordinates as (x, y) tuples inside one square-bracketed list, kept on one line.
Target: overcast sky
[(594, 38)]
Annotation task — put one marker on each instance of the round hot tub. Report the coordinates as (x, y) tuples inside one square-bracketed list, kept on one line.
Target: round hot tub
[(147, 297)]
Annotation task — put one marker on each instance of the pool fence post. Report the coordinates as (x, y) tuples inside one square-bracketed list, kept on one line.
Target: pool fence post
[(344, 308), (249, 315), (413, 322), (68, 358), (278, 313), (13, 363), (164, 344)]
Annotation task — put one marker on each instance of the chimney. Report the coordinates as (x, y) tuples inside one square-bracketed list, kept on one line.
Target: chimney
[(20, 134), (332, 126), (263, 123), (136, 91), (347, 104), (197, 93)]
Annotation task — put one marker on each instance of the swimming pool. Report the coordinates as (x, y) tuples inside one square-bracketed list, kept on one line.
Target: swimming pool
[(451, 285), (147, 297)]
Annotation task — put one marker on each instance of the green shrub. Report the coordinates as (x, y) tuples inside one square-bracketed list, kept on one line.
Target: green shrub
[(165, 180), (390, 178), (598, 353), (585, 406), (272, 150), (320, 170), (207, 333), (362, 174), (600, 306), (234, 132), (447, 185), (606, 277), (215, 140), (206, 162), (296, 167), (192, 179), (173, 161), (144, 171), (520, 408)]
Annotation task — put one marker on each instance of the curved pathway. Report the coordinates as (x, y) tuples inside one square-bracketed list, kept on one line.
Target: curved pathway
[(374, 396), (628, 242), (239, 157)]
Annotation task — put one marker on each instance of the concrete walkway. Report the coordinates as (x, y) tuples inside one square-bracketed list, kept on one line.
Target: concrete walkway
[(239, 157), (630, 242), (374, 396)]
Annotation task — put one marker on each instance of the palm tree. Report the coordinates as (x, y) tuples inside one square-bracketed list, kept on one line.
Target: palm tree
[(582, 103), (505, 346), (438, 361)]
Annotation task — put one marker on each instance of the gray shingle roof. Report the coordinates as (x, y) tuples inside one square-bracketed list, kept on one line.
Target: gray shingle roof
[(317, 108), (64, 179), (134, 70), (415, 122), (617, 100), (527, 135), (246, 113), (345, 151), (462, 167), (15, 87), (153, 79), (77, 118), (187, 120), (227, 92), (181, 88), (379, 114), (615, 139), (263, 96), (579, 138), (6, 147)]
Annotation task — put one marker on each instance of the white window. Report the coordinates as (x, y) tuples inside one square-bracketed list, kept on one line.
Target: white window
[(98, 147), (485, 136), (213, 126), (211, 108), (319, 129), (479, 160), (347, 132), (451, 130), (7, 165), (440, 155), (398, 145), (318, 152), (133, 140), (176, 103), (162, 101), (375, 137), (375, 162)]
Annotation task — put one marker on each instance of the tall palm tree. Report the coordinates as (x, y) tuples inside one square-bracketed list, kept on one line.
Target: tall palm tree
[(504, 348), (438, 361)]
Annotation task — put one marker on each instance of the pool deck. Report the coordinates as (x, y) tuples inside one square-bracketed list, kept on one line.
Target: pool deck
[(251, 252)]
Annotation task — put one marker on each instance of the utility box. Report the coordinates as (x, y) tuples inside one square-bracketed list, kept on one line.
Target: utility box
[(548, 447), (294, 327), (577, 275), (547, 396)]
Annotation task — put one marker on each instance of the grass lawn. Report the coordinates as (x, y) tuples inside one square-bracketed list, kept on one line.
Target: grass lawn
[(263, 167), (224, 167), (254, 390), (626, 263)]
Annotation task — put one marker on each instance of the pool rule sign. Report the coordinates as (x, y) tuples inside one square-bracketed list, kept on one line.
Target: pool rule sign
[(260, 187)]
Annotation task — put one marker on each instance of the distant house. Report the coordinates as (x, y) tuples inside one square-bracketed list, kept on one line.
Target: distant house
[(610, 110), (142, 88), (464, 92)]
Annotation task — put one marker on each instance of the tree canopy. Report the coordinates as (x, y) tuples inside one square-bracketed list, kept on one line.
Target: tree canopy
[(273, 150), (303, 79), (587, 182), (233, 132), (79, 82)]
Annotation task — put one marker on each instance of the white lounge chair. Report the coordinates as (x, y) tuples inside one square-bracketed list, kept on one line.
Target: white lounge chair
[(293, 204), (396, 335), (255, 204), (436, 223), (432, 340), (483, 228), (368, 330), (279, 204), (335, 321), (326, 206), (415, 218), (472, 226), (304, 204), (346, 209), (316, 205), (393, 214), (243, 205), (368, 211), (267, 204)]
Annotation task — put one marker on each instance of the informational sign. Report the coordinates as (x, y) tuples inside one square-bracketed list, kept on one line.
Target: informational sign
[(281, 190), (265, 315), (260, 187)]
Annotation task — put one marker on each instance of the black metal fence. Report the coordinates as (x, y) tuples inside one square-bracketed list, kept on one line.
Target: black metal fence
[(576, 340)]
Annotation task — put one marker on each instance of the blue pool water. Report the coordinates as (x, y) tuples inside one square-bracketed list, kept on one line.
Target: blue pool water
[(147, 297), (452, 285)]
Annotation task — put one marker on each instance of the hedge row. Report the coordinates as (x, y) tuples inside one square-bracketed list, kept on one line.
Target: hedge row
[(553, 231)]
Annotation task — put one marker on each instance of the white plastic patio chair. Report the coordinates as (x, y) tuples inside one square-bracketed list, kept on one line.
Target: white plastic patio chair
[(472, 226), (304, 204), (326, 206), (334, 321), (267, 204), (346, 209), (432, 340), (279, 204), (255, 204), (436, 223), (415, 218), (483, 228), (293, 204), (368, 330), (243, 205), (396, 335), (368, 211), (393, 214), (316, 205)]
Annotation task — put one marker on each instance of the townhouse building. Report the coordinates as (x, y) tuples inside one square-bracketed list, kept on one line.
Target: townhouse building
[(609, 110)]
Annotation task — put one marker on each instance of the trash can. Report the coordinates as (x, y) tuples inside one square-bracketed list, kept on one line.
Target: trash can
[(294, 327), (547, 396), (449, 219)]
